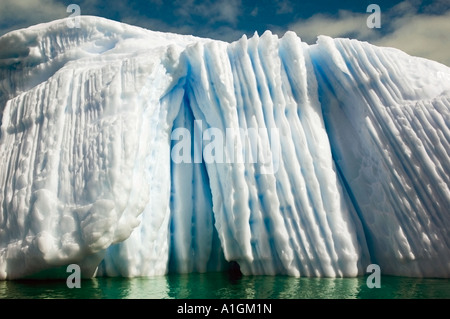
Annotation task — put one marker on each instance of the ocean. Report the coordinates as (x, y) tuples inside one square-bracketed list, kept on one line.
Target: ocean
[(222, 286)]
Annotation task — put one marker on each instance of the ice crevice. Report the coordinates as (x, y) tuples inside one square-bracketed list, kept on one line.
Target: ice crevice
[(120, 148)]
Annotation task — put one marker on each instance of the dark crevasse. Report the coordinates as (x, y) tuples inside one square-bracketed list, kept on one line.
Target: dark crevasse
[(194, 243)]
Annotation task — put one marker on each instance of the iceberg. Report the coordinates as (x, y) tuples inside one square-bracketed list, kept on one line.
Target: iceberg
[(138, 153)]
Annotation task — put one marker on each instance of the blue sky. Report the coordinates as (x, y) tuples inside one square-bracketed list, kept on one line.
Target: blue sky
[(419, 27)]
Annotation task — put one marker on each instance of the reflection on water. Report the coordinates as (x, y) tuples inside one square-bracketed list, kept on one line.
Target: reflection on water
[(219, 285)]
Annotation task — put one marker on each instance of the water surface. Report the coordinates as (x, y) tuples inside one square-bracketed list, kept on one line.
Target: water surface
[(221, 286)]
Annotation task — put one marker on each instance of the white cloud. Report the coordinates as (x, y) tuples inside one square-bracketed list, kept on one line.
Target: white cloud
[(402, 27), (422, 35), (347, 23), (16, 14)]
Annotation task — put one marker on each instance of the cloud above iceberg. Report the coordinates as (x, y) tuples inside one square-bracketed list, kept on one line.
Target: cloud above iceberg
[(420, 31), (425, 36), (15, 14)]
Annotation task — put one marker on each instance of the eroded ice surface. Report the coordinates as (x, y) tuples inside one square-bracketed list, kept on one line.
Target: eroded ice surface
[(358, 138)]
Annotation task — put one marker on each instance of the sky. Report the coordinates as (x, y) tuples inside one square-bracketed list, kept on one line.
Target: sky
[(418, 27)]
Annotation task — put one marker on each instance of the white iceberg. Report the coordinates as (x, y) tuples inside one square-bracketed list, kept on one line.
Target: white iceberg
[(357, 138)]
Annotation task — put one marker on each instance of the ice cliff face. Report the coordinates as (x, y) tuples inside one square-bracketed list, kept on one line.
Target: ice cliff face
[(101, 140)]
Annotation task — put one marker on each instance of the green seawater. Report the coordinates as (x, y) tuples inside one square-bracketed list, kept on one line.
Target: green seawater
[(221, 286)]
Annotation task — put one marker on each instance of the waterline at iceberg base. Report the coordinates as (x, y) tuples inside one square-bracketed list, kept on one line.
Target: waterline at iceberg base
[(87, 174)]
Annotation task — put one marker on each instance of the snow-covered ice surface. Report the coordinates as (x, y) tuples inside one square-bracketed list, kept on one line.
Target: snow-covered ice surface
[(91, 121)]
